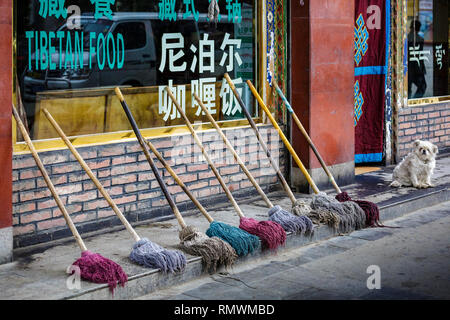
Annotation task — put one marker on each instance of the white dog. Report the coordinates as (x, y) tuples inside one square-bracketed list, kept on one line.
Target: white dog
[(417, 167)]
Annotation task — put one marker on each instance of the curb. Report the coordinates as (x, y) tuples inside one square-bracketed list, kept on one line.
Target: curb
[(153, 280)]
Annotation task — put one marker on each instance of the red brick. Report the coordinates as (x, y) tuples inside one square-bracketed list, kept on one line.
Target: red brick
[(33, 195), (52, 223), (410, 131), (47, 204), (125, 199), (111, 150), (93, 165), (23, 163), (113, 191), (147, 195), (181, 197), (92, 205), (24, 207), (123, 159), (28, 174), (174, 189), (197, 167), (103, 173), (55, 158), (105, 213), (229, 170), (434, 114), (59, 169), (79, 176), (40, 182), (37, 216), (160, 203), (72, 208), (69, 189), (23, 185), (88, 153), (82, 197), (20, 230), (84, 217), (129, 178), (198, 185)]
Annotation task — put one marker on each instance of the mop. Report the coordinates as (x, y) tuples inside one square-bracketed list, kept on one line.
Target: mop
[(214, 251), (144, 252), (273, 162), (271, 233), (370, 209), (288, 221), (93, 267), (350, 214), (241, 241)]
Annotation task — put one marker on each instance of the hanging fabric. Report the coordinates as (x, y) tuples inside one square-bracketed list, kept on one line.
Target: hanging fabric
[(372, 29)]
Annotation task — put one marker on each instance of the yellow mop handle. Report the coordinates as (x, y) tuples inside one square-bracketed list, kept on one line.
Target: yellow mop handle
[(283, 137)]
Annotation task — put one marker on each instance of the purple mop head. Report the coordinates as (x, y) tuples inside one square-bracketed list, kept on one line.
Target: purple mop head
[(271, 233), (370, 209), (98, 269)]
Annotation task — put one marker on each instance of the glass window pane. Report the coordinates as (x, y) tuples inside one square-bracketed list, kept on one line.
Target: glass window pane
[(428, 45), (69, 62)]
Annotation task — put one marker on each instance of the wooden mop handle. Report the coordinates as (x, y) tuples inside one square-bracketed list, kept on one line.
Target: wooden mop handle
[(144, 146), (283, 137), (48, 181), (208, 159), (90, 174), (305, 134), (236, 156), (261, 140), (180, 183)]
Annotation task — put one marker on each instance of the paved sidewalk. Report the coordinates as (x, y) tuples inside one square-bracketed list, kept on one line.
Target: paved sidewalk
[(44, 269), (414, 263)]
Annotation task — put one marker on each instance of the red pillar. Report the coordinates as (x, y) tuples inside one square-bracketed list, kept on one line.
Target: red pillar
[(322, 88), (5, 131)]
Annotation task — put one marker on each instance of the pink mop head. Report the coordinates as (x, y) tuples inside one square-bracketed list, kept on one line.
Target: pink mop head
[(271, 233), (98, 269)]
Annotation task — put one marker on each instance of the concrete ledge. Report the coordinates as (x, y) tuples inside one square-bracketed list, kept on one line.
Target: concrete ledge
[(151, 281), (6, 248), (27, 277)]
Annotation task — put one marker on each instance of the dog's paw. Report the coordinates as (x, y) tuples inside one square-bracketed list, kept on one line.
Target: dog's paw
[(395, 184)]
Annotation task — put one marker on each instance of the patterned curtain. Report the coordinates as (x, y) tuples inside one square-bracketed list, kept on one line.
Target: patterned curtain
[(372, 34)]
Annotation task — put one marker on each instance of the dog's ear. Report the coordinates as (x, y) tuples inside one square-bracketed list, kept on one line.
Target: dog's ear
[(435, 149), (416, 143)]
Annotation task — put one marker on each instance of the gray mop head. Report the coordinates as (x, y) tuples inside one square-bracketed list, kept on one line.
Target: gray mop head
[(344, 216), (214, 251), (152, 255), (290, 222)]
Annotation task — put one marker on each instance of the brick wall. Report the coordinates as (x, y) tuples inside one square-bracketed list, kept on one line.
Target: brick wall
[(126, 175), (429, 122)]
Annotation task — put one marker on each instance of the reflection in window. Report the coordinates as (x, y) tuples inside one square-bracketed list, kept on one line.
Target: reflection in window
[(128, 49), (428, 46)]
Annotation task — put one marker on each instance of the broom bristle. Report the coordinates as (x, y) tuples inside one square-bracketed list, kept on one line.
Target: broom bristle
[(242, 242), (98, 269), (271, 233), (152, 255), (288, 221), (214, 251)]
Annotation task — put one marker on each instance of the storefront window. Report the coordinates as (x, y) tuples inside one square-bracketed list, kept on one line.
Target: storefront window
[(428, 48), (71, 54)]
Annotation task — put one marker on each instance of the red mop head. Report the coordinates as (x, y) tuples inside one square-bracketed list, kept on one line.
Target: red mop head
[(370, 209), (98, 269), (272, 235)]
